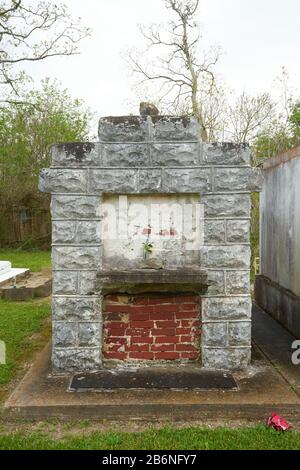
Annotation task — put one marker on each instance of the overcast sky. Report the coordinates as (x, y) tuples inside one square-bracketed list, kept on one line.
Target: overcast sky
[(258, 37)]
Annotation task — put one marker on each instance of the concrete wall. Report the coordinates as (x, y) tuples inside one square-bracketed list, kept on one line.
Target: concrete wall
[(277, 289), (171, 248), (280, 221), (161, 155)]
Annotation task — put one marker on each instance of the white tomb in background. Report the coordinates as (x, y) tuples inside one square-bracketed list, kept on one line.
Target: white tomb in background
[(7, 272)]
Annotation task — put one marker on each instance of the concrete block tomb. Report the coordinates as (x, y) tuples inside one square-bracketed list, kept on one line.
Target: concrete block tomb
[(150, 247), (277, 287)]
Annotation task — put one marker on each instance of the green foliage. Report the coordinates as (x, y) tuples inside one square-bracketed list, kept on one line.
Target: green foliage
[(188, 438), (148, 247), (267, 145), (27, 131), (294, 120), (279, 137)]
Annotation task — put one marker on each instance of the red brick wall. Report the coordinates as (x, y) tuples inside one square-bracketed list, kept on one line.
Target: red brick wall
[(151, 327)]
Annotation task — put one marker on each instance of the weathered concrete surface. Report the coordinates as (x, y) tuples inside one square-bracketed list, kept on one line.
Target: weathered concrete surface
[(156, 156), (280, 303), (276, 344), (153, 280), (280, 221), (277, 290), (260, 391), (76, 153), (159, 216)]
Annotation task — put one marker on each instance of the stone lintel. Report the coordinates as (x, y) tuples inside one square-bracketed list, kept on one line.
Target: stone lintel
[(150, 280)]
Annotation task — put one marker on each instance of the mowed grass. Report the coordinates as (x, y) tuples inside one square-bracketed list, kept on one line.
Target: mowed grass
[(33, 260), (22, 322), (160, 439), (19, 321)]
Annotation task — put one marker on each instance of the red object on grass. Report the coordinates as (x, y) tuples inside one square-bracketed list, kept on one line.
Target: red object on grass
[(278, 423)]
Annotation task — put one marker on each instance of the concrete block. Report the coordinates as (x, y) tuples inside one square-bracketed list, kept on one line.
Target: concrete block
[(176, 154), (226, 205), (225, 358), (76, 309), (73, 257), (237, 282), (63, 181), (230, 256), (123, 129), (125, 155), (88, 232), (76, 359), (214, 334), (64, 334), (187, 180), (76, 154), (63, 231), (238, 231), (237, 179), (89, 334), (150, 180), (239, 334), (170, 128), (65, 282), (226, 308), (75, 207), (226, 153), (113, 181), (214, 232)]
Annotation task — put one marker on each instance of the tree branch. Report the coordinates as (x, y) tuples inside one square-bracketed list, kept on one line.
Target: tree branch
[(21, 29)]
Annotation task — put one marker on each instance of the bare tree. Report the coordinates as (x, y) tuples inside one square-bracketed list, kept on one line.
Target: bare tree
[(31, 32), (213, 106), (179, 66), (212, 109), (247, 116)]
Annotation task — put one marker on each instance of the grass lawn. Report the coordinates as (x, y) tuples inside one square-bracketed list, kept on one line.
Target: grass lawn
[(33, 260), (19, 321), (159, 439), (22, 322)]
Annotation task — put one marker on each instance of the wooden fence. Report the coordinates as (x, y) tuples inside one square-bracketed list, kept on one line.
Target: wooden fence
[(23, 226)]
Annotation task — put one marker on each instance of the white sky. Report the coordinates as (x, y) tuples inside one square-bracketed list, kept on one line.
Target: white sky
[(258, 37)]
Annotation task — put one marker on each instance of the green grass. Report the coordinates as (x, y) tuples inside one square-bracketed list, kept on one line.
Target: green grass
[(18, 322), (33, 260), (159, 439)]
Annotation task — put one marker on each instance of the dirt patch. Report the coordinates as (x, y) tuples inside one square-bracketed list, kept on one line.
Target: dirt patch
[(33, 285)]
